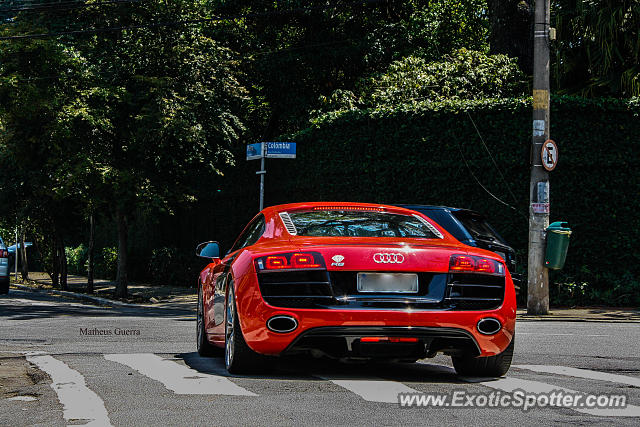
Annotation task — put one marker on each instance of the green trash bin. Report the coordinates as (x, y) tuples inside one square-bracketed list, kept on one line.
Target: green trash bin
[(558, 234)]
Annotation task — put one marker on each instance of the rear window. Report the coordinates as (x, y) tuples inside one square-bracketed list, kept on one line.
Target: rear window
[(478, 227), (360, 224)]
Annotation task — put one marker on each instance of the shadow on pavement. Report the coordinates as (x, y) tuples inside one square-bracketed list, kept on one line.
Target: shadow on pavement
[(308, 368), (24, 305)]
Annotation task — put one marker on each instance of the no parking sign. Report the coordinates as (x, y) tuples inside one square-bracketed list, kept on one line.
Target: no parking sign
[(549, 155)]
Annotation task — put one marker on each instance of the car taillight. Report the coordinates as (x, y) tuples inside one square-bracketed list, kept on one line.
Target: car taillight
[(475, 264), (291, 260), (4, 253), (303, 261), (275, 262)]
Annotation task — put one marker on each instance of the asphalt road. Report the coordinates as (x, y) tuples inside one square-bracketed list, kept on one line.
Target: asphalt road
[(52, 374)]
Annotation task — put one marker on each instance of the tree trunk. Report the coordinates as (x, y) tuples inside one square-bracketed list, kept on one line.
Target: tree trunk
[(55, 263), (123, 231), (23, 257), (92, 227), (62, 262)]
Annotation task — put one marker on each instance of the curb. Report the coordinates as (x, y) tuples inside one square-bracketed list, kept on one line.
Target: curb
[(107, 302), (573, 319), (76, 295)]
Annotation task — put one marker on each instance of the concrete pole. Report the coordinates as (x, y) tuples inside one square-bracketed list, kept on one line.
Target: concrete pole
[(538, 275)]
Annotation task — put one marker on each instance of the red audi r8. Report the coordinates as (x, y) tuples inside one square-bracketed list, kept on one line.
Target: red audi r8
[(354, 281)]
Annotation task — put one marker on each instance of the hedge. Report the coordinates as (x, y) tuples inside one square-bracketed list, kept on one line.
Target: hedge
[(416, 155)]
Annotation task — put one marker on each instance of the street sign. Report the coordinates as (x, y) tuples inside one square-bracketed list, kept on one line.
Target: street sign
[(549, 155), (254, 151), (274, 150), (540, 208), (281, 150)]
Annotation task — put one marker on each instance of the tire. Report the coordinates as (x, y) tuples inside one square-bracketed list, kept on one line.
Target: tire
[(491, 366), (238, 357), (4, 287), (205, 348)]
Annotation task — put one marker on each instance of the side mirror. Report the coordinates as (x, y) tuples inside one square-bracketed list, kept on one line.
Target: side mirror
[(208, 250)]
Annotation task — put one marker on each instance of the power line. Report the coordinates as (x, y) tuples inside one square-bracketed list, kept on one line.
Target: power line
[(185, 22), (464, 158), (491, 156)]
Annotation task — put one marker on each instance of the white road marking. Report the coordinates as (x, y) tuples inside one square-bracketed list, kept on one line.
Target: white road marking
[(371, 389), (178, 378), (560, 335), (511, 384), (582, 373), (23, 398), (78, 401)]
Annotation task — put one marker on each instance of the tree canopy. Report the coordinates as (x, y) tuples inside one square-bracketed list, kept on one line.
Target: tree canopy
[(136, 110)]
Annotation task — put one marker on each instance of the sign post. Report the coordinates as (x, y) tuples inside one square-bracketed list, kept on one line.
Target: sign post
[(16, 252), (274, 150)]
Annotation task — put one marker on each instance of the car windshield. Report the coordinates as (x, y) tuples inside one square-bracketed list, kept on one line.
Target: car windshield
[(478, 227), (359, 224)]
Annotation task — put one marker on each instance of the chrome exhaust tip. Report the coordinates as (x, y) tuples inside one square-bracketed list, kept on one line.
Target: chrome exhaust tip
[(489, 326), (282, 324)]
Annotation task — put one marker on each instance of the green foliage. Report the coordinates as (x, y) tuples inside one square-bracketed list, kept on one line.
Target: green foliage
[(464, 74), (77, 260), (133, 122), (598, 47), (416, 155), (173, 266), (623, 291), (294, 58), (105, 262), (445, 26), (511, 30)]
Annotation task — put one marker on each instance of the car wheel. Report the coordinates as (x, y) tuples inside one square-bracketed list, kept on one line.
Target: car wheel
[(238, 357), (491, 366), (205, 348)]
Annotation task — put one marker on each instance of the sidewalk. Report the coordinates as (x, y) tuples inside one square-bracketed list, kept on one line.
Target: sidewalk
[(104, 292), (174, 296), (585, 314)]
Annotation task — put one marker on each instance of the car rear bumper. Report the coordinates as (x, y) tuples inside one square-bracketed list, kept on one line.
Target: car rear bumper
[(354, 323)]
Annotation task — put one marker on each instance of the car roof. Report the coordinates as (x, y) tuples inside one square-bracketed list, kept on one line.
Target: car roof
[(337, 205)]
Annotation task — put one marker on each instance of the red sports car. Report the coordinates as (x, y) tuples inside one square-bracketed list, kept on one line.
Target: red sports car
[(354, 281)]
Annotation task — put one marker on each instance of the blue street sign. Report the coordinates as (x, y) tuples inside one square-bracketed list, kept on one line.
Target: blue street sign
[(254, 151), (281, 150)]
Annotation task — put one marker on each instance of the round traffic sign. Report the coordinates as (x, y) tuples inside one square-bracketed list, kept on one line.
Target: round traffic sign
[(549, 155)]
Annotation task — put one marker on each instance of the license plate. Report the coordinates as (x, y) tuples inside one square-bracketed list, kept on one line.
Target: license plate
[(405, 283)]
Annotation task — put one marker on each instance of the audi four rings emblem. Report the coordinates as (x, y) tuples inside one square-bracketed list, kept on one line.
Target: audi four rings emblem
[(386, 258)]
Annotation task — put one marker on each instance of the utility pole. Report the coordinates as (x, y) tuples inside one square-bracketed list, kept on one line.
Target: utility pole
[(538, 275)]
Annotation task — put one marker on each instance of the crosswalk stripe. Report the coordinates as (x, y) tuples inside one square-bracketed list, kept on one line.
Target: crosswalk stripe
[(176, 377), (512, 384), (78, 401), (582, 373), (371, 389)]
